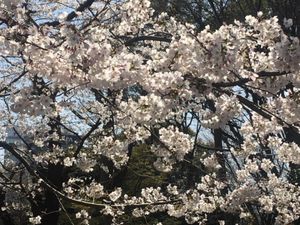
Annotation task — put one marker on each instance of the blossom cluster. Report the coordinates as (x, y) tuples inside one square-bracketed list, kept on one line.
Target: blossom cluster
[(83, 94)]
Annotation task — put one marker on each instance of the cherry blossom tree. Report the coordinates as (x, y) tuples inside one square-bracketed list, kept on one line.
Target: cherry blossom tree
[(84, 84)]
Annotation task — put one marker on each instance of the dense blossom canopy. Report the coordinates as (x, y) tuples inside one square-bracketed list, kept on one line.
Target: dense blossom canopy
[(113, 76)]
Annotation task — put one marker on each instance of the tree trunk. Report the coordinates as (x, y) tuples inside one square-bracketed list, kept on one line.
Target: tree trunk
[(51, 204)]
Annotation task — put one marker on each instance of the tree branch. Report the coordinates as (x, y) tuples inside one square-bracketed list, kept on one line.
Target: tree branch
[(73, 14)]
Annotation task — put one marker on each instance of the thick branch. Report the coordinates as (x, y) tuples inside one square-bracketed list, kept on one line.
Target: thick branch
[(147, 38), (93, 128), (261, 75)]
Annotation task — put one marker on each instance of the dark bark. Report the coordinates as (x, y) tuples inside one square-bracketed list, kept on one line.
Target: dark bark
[(55, 176), (4, 216)]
